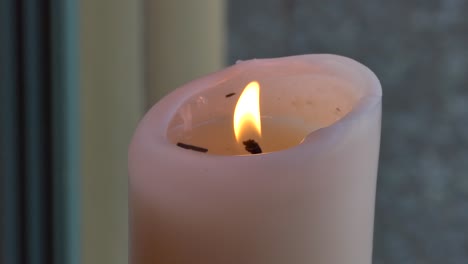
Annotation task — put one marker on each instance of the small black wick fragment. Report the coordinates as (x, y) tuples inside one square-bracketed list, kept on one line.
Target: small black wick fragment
[(192, 147), (230, 94), (252, 146)]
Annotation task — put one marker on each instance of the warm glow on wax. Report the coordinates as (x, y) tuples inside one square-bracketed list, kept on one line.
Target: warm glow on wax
[(247, 113)]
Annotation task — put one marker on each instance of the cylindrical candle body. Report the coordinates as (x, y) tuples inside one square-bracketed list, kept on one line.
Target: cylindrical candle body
[(310, 203)]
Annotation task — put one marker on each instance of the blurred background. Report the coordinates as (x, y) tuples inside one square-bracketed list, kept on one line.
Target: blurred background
[(76, 76)]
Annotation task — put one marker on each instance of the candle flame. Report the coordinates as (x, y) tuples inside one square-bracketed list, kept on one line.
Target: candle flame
[(247, 113)]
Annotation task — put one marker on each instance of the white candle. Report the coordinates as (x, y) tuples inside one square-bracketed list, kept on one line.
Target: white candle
[(310, 199)]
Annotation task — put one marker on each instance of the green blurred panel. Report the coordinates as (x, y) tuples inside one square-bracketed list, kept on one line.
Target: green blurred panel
[(65, 101)]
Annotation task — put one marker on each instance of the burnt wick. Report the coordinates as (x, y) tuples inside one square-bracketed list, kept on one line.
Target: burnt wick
[(230, 94), (192, 147), (252, 146)]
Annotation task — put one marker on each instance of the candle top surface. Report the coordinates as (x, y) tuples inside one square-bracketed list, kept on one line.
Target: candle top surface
[(319, 94)]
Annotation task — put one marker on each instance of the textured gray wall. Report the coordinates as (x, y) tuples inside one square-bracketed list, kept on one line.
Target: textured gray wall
[(419, 50)]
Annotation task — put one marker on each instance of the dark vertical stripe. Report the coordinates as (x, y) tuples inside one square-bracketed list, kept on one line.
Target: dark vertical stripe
[(48, 139), (58, 183), (59, 218), (36, 68), (9, 147), (21, 140), (33, 128)]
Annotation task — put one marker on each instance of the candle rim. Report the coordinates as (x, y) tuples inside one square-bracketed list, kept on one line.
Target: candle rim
[(165, 109)]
